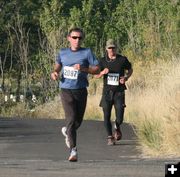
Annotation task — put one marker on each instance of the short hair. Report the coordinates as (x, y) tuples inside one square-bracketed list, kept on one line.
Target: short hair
[(76, 29)]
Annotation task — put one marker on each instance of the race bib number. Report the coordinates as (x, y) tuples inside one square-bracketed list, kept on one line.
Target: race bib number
[(113, 79), (70, 72)]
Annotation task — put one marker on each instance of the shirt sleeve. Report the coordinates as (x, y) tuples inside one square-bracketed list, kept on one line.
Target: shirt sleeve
[(58, 58), (101, 64), (128, 65), (92, 59)]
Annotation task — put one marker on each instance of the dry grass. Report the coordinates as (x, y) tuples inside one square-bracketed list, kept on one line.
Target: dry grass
[(154, 108), (93, 111), (50, 110)]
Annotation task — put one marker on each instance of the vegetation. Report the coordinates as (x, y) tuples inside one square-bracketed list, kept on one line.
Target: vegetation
[(153, 107), (147, 32)]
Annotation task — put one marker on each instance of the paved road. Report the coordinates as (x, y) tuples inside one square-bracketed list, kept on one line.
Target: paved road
[(35, 148)]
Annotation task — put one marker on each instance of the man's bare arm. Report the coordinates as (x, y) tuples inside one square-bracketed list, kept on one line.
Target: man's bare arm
[(55, 73), (91, 70)]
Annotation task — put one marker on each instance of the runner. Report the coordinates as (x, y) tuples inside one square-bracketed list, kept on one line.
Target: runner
[(74, 63), (116, 70)]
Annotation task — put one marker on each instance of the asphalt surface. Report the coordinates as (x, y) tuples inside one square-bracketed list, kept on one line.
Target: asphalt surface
[(36, 148)]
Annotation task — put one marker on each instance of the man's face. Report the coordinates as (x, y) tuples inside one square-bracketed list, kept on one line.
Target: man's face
[(75, 39), (111, 51)]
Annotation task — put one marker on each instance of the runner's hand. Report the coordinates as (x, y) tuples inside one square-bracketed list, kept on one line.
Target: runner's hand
[(105, 71), (77, 66), (54, 75), (122, 80)]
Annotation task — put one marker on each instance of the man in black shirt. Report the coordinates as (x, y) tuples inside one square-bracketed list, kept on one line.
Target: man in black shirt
[(116, 70)]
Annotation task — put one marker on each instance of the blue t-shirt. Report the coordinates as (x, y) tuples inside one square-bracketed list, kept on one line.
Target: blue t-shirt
[(70, 78)]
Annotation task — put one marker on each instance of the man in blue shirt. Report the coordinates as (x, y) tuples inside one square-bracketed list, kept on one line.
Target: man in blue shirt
[(74, 63)]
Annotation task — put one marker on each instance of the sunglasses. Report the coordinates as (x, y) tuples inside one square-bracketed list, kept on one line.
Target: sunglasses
[(76, 37), (111, 47)]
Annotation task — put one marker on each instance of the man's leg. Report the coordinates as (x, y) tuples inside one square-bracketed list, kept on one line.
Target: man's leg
[(74, 103), (106, 104), (68, 103), (107, 119), (108, 125), (81, 101), (119, 105)]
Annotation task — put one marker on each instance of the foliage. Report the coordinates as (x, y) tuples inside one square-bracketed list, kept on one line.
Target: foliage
[(150, 27), (32, 32)]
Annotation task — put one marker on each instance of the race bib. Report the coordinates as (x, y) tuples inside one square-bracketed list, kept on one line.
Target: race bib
[(113, 79), (70, 72)]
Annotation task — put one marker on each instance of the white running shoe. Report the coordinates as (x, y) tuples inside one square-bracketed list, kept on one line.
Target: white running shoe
[(73, 155), (63, 130)]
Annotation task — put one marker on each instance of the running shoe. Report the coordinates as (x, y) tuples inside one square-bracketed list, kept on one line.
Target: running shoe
[(117, 134), (64, 132), (110, 141), (73, 155)]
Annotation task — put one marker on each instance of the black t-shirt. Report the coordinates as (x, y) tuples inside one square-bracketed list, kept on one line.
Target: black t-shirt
[(117, 69)]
